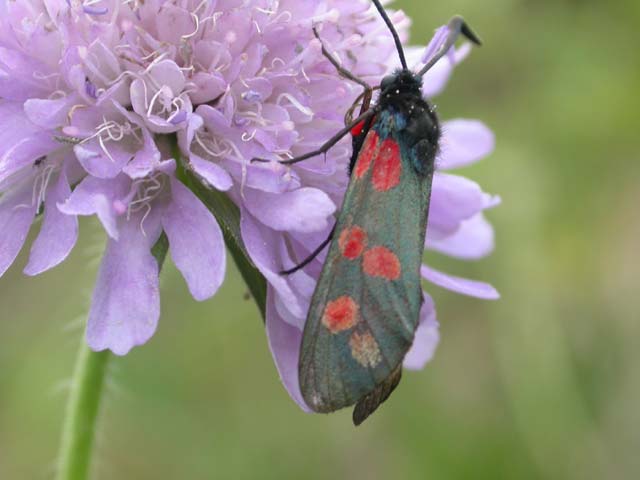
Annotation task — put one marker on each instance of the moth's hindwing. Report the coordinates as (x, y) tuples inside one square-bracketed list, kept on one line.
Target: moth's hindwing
[(367, 301)]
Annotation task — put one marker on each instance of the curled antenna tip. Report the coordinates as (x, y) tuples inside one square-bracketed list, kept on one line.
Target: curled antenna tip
[(458, 23), (456, 27)]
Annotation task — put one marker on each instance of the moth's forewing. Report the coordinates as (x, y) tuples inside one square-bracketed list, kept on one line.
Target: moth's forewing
[(366, 305), (372, 400)]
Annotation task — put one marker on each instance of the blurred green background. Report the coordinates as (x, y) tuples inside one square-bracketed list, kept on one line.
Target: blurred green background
[(541, 384)]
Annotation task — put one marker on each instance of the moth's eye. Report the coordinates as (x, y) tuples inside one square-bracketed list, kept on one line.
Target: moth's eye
[(387, 81)]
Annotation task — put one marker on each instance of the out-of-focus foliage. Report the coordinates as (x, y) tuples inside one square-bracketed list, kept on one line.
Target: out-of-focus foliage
[(542, 384)]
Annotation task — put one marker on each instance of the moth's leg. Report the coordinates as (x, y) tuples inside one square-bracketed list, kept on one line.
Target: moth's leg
[(365, 97), (364, 100), (313, 255), (341, 70), (328, 144)]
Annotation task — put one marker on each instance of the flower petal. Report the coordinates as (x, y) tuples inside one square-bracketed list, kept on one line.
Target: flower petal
[(126, 301), (273, 178), (284, 343), (195, 242), (426, 337), (207, 86), (97, 196), (463, 143), (173, 22), (17, 81), (434, 81), (21, 142), (102, 162), (212, 173), (24, 152), (58, 234), (49, 113), (261, 243), (303, 210), (474, 239), (14, 124), (472, 288), (453, 199), (16, 215), (146, 158)]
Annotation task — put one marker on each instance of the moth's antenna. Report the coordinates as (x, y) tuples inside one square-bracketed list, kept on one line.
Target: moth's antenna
[(457, 26), (392, 29)]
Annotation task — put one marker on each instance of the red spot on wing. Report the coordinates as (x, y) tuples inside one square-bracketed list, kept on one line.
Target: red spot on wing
[(381, 262), (340, 314), (387, 166), (352, 242), (366, 154), (357, 129)]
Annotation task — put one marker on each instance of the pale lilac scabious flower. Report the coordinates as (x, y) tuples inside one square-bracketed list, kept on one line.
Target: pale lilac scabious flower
[(84, 88), (92, 94)]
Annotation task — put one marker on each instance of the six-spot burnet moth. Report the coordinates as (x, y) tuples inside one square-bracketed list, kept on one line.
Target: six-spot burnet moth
[(366, 305)]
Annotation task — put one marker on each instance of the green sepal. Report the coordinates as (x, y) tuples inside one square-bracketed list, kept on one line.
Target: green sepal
[(160, 249)]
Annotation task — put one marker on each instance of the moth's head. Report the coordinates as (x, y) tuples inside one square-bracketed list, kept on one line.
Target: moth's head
[(401, 82)]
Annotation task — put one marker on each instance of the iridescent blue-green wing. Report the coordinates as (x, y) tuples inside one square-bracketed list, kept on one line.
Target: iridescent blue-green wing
[(366, 305)]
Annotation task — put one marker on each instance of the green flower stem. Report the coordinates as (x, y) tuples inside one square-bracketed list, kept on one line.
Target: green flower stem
[(78, 429), (79, 425)]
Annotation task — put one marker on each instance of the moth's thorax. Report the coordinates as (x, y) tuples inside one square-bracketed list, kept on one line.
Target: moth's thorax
[(409, 118)]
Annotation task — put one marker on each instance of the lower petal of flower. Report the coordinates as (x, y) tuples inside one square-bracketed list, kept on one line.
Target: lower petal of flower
[(195, 242), (463, 143), (302, 210), (126, 301), (16, 214), (284, 342), (426, 337), (472, 288), (474, 239), (259, 241), (453, 199), (58, 234)]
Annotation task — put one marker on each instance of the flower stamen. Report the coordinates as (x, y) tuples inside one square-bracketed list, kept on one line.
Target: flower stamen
[(40, 184), (214, 143), (295, 102), (142, 193), (247, 137)]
